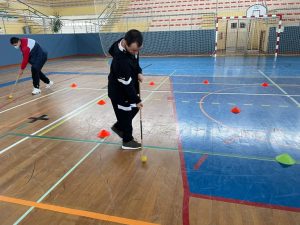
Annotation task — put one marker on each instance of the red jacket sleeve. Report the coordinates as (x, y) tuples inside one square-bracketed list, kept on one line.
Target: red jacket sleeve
[(26, 52)]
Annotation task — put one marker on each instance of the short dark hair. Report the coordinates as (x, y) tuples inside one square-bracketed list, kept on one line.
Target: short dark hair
[(14, 40), (133, 36)]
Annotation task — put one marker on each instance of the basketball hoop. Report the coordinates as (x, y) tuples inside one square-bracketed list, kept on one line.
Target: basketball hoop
[(256, 11)]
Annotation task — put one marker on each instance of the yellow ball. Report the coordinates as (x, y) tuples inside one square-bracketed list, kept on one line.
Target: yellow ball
[(10, 97), (144, 159)]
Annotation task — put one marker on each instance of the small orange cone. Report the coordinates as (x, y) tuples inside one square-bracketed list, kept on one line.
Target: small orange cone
[(235, 110), (73, 85), (264, 84), (101, 102), (151, 83), (205, 82), (103, 134)]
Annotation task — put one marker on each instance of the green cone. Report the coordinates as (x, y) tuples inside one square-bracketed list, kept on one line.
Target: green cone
[(285, 159)]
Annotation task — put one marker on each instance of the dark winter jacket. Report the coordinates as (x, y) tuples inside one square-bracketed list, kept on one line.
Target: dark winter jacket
[(123, 84)]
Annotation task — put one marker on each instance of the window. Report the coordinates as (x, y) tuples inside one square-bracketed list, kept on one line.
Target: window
[(242, 25), (233, 25)]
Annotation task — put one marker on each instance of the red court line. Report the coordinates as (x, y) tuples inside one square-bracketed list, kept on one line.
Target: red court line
[(187, 194), (200, 161), (186, 190), (243, 202)]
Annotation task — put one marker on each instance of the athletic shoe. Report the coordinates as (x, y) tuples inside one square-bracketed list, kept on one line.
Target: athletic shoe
[(36, 91), (50, 84), (131, 145)]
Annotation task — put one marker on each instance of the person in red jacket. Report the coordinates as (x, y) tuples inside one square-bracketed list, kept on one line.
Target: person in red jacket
[(37, 57)]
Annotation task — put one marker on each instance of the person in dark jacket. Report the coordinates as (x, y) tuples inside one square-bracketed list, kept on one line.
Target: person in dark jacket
[(37, 57), (123, 85)]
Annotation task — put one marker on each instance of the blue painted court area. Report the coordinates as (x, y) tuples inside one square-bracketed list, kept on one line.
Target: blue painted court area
[(240, 148)]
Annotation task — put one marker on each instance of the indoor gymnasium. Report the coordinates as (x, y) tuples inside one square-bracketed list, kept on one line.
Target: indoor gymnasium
[(150, 112)]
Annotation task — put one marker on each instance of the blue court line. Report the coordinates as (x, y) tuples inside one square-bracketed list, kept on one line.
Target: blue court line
[(2, 85), (257, 182), (13, 82), (58, 73), (55, 61), (76, 73)]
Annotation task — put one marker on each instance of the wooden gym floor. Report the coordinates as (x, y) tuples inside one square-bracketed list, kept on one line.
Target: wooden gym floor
[(57, 171)]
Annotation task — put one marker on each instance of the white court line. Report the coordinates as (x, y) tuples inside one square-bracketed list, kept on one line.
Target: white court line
[(74, 167), (225, 93), (155, 90), (67, 115), (92, 89), (229, 103), (70, 171), (197, 92), (198, 69), (45, 127), (58, 182), (219, 76), (215, 76), (32, 100), (227, 84), (283, 91)]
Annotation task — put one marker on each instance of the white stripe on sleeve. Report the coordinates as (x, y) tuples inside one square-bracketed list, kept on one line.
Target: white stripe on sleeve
[(124, 81)]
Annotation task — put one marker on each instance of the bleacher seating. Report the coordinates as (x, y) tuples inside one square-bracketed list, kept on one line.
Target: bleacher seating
[(159, 10), (160, 15)]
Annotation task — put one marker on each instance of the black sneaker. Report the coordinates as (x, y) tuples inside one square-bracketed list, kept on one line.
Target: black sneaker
[(131, 145), (117, 131)]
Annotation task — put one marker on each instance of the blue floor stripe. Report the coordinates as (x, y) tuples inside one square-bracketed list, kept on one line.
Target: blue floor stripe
[(75, 73), (58, 73), (2, 85), (13, 82)]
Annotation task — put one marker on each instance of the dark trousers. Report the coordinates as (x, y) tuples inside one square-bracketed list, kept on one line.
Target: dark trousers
[(124, 120), (37, 74)]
